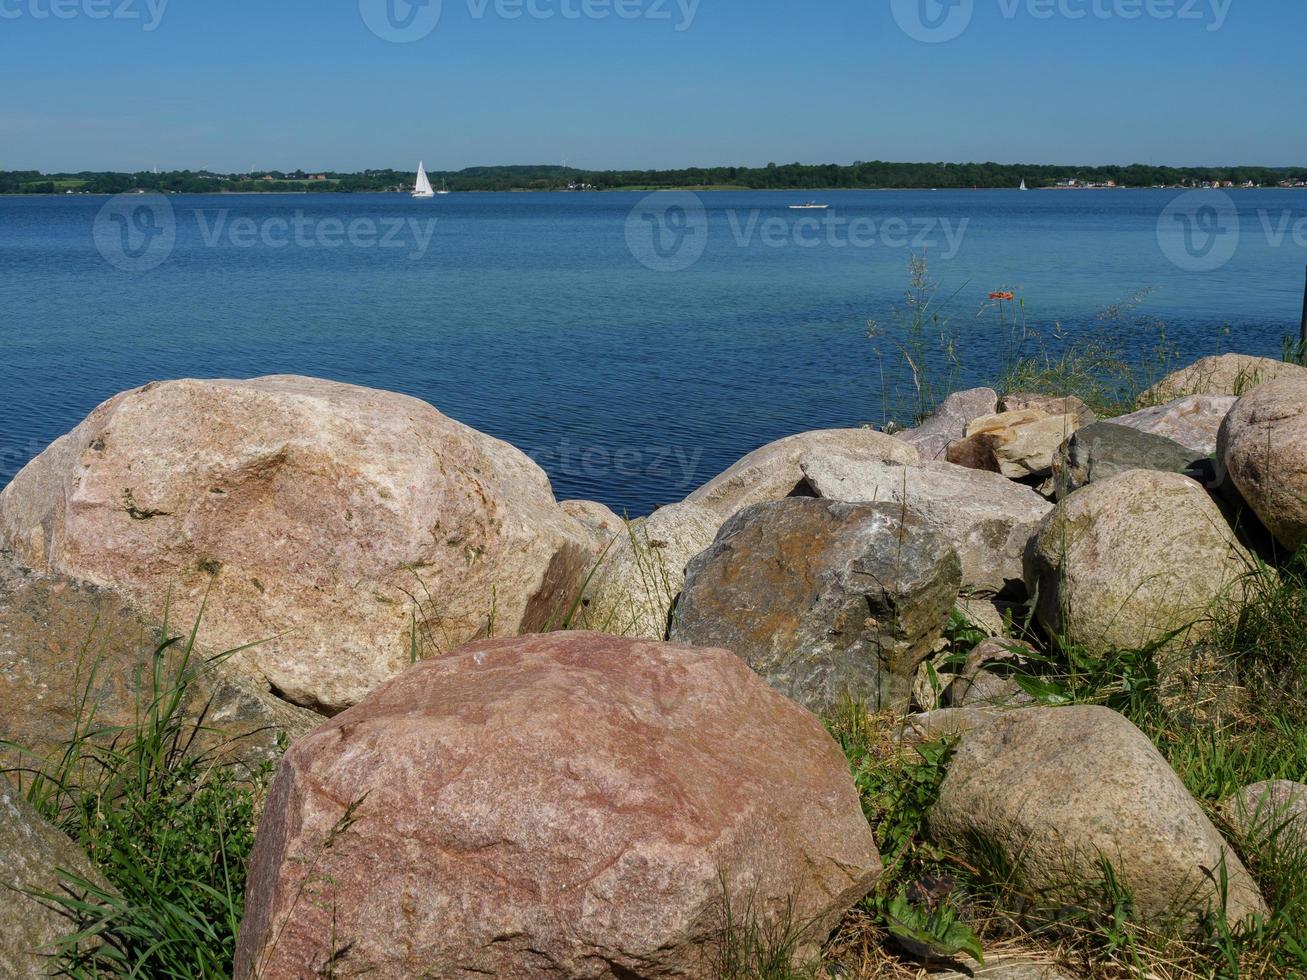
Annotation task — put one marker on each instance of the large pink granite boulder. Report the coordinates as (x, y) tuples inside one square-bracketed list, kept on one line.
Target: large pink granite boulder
[(570, 805), (1263, 449), (341, 526)]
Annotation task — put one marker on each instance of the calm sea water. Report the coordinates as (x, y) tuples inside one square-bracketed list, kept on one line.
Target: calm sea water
[(634, 349)]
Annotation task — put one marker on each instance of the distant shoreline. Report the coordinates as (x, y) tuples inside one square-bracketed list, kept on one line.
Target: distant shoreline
[(650, 190), (795, 178)]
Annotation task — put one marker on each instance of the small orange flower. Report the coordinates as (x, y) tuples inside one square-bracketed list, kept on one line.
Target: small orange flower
[(1007, 296)]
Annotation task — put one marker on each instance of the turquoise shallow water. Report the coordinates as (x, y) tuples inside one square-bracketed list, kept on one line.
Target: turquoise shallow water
[(633, 347)]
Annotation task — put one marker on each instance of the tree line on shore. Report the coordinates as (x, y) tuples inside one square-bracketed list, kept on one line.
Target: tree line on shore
[(793, 176)]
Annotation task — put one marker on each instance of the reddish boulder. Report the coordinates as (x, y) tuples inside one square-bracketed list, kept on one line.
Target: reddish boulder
[(570, 805)]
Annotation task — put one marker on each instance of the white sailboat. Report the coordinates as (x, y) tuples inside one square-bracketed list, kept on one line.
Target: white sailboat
[(423, 186), (443, 189), (1023, 185)]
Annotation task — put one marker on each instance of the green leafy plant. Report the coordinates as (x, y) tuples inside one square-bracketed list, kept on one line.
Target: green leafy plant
[(931, 932)]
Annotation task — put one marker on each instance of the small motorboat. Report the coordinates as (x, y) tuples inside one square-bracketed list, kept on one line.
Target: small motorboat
[(810, 206)]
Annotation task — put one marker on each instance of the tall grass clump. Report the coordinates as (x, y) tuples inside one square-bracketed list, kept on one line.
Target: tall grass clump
[(929, 355), (168, 828), (1091, 363), (922, 336)]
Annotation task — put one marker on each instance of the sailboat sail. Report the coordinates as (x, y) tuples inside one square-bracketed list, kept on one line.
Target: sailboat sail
[(423, 186), (1023, 185)]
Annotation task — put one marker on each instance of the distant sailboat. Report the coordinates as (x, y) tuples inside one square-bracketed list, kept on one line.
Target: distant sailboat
[(443, 188), (423, 186), (1023, 185)]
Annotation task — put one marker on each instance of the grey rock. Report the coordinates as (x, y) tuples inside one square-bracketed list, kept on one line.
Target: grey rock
[(985, 614), (949, 422), (772, 472), (1125, 562), (1104, 450), (31, 854), (1192, 421), (931, 726), (982, 680), (1272, 813), (824, 599), (988, 519), (1059, 790), (1007, 968)]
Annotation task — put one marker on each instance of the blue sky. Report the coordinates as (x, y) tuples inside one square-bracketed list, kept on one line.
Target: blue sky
[(264, 84)]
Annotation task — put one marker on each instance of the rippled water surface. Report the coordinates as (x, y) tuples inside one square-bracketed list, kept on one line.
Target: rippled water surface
[(557, 322)]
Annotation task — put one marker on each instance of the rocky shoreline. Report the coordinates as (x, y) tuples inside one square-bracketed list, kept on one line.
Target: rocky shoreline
[(528, 738)]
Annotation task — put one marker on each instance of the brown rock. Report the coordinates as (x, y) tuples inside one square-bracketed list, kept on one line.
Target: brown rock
[(1022, 443), (74, 657), (571, 805), (978, 452), (603, 526), (826, 600), (1058, 790), (336, 524), (1049, 405), (772, 472), (1226, 374), (1263, 449)]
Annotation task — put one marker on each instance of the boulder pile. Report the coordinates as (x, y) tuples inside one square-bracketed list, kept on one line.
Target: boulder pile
[(552, 742)]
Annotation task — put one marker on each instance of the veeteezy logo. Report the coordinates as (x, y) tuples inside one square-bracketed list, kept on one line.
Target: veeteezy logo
[(138, 232), (938, 21), (669, 231), (406, 21), (135, 232), (1199, 230), (149, 13), (401, 21), (302, 230)]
